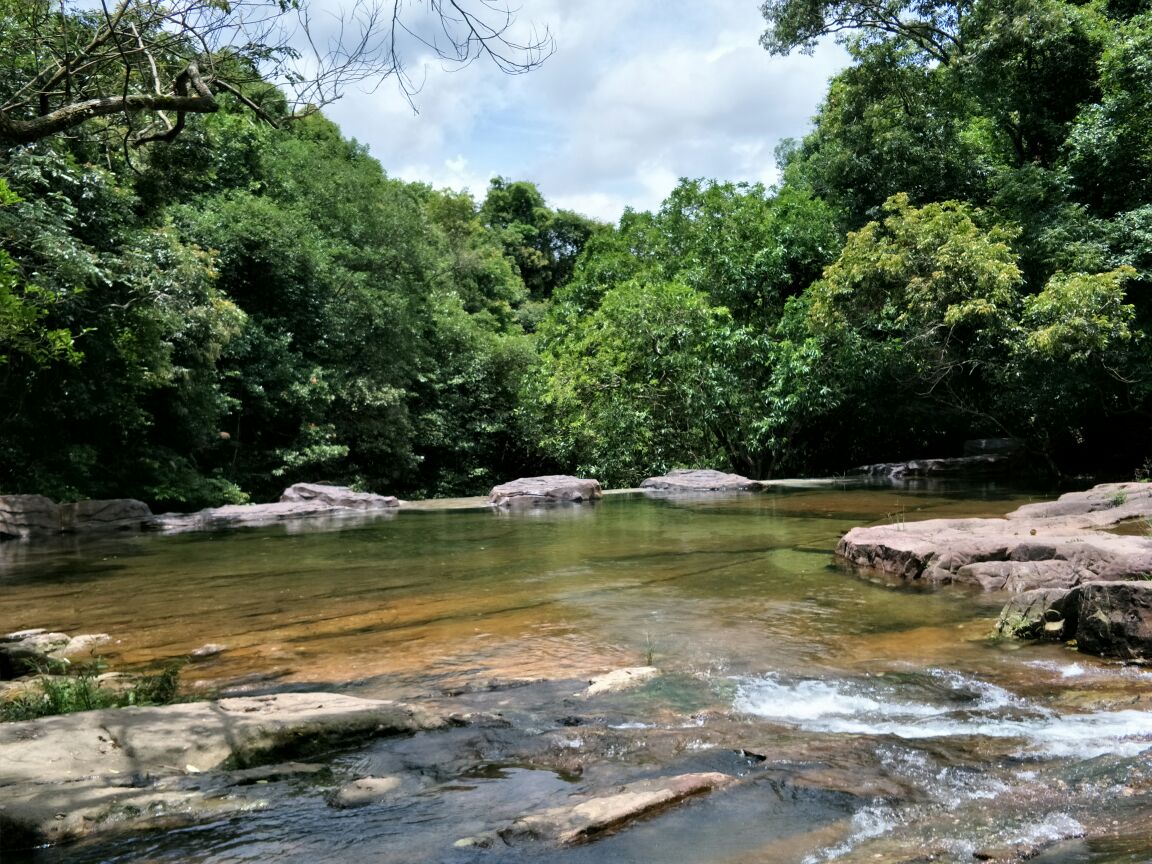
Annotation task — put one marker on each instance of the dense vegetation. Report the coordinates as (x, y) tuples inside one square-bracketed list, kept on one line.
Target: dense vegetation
[(961, 247)]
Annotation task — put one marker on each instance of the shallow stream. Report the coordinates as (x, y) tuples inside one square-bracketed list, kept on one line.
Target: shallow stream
[(867, 722)]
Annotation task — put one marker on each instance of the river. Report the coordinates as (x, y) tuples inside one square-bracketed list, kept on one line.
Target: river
[(868, 722)]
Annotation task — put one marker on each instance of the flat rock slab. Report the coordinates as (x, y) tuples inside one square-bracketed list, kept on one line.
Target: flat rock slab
[(301, 501), (337, 496), (551, 489), (66, 776), (619, 680), (1055, 546), (1052, 544), (585, 819), (701, 480)]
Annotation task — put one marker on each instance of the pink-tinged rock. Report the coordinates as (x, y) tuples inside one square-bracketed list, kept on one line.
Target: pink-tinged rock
[(551, 489), (701, 480)]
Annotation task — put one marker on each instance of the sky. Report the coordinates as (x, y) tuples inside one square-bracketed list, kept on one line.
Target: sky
[(637, 94)]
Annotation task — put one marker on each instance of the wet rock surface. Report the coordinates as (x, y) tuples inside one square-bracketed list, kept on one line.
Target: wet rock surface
[(701, 481), (546, 490), (67, 776), (579, 821), (1057, 546)]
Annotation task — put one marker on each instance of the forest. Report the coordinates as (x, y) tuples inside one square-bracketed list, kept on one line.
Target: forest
[(207, 292)]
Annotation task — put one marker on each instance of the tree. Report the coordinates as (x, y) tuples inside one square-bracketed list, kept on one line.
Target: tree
[(936, 27), (543, 243), (71, 62), (648, 382)]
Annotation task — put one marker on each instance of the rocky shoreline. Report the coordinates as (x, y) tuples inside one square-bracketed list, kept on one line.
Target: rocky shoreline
[(1076, 580)]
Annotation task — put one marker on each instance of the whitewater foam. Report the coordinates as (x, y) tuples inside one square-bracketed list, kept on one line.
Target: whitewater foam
[(965, 707)]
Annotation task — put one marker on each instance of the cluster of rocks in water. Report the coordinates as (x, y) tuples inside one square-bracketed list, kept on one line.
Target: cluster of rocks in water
[(66, 777), (27, 517), (1073, 577)]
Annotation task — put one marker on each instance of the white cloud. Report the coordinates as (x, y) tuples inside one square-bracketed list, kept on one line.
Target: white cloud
[(634, 98)]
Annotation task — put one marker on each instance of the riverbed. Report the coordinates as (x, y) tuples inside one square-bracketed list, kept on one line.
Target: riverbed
[(866, 722)]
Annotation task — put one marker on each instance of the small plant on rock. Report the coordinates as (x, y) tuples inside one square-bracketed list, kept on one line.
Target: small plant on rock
[(83, 689)]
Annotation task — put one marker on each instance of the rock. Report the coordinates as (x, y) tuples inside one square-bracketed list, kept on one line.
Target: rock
[(1040, 613), (619, 680), (1061, 552), (1099, 507), (1055, 546), (552, 489), (1017, 576), (578, 822), (1114, 619), (66, 776), (366, 790), (30, 651), (287, 513), (1109, 619), (959, 466), (24, 516), (115, 514), (701, 480), (337, 496), (206, 652), (28, 516)]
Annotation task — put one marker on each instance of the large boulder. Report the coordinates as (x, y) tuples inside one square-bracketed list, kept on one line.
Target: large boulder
[(701, 480), (551, 489), (115, 514), (1075, 581), (1114, 619), (1110, 619), (29, 516), (24, 516), (337, 496)]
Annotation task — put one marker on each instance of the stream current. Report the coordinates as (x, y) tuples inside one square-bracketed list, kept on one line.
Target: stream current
[(867, 722)]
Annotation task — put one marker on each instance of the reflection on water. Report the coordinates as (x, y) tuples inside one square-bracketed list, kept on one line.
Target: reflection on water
[(735, 598), (438, 597)]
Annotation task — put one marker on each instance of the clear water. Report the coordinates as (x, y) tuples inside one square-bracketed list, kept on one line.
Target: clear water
[(883, 723)]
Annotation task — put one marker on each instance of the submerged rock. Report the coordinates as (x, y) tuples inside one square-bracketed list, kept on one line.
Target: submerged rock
[(581, 821), (551, 489), (619, 680), (366, 790), (701, 480)]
